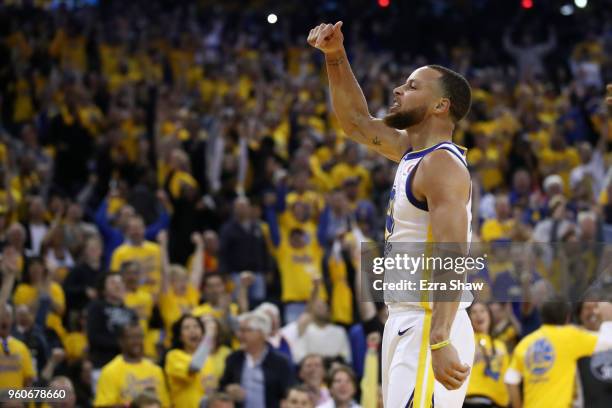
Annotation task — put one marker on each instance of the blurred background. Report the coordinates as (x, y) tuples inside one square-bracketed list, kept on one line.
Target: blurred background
[(177, 165)]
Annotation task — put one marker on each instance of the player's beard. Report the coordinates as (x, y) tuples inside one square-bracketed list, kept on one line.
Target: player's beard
[(405, 119)]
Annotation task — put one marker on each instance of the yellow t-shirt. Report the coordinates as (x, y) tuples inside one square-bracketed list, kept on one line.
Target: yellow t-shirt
[(297, 267), (120, 382), (207, 309), (493, 229), (148, 255), (16, 367), (26, 294), (173, 306), (75, 344), (342, 171), (489, 381), (141, 302), (564, 161), (546, 362), (491, 177), (187, 389)]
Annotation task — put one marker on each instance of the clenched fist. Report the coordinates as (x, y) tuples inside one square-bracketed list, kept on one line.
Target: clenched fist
[(327, 37)]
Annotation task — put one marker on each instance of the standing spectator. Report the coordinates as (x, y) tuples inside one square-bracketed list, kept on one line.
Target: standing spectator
[(318, 335), (80, 284), (129, 373), (243, 248), (113, 236), (32, 334), (186, 364), (105, 317), (73, 145), (528, 55), (486, 387), (37, 226), (137, 249), (18, 371), (545, 360), (245, 368), (594, 372)]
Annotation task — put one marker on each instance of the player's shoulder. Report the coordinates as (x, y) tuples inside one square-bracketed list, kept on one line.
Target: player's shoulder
[(446, 155)]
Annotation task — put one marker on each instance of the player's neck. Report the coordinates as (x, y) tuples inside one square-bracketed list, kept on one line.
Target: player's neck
[(430, 133)]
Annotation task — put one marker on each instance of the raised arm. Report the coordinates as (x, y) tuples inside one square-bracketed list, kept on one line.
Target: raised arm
[(446, 200), (348, 100), (197, 261), (162, 239)]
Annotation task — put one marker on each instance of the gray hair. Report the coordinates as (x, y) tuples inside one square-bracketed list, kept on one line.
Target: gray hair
[(257, 320)]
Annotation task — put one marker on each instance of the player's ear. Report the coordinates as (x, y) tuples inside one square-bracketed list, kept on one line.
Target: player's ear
[(442, 106)]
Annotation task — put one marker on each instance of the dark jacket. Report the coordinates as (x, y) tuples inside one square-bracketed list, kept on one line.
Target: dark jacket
[(104, 322), (278, 375), (243, 249)]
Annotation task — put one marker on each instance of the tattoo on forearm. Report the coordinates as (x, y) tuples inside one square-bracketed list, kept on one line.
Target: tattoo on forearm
[(376, 141), (336, 62)]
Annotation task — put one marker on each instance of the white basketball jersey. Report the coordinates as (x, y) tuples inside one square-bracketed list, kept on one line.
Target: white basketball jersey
[(408, 218)]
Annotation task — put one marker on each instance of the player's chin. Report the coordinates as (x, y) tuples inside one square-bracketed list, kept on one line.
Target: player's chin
[(395, 120)]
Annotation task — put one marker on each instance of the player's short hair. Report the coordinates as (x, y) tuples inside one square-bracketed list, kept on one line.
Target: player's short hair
[(457, 89), (555, 311)]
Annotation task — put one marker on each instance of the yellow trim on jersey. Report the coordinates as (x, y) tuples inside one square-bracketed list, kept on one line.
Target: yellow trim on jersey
[(465, 149), (430, 384), (426, 272), (424, 365)]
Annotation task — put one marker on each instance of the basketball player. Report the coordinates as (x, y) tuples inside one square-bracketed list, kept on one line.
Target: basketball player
[(430, 202)]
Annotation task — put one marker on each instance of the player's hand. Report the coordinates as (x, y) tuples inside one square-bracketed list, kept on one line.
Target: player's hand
[(609, 94), (327, 37), (447, 368)]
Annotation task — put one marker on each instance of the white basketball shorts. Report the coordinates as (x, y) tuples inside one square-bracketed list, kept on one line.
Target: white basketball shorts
[(407, 376)]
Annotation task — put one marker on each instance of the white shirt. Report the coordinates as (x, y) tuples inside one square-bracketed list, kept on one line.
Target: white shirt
[(328, 341)]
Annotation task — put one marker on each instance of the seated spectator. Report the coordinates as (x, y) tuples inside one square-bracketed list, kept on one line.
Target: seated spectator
[(311, 373), (245, 368), (218, 400), (63, 384), (342, 385), (129, 373), (298, 397)]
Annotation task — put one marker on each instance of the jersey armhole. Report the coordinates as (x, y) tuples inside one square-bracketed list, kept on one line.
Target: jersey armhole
[(421, 205)]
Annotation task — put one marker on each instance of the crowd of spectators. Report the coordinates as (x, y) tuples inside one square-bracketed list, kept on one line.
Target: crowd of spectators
[(181, 212)]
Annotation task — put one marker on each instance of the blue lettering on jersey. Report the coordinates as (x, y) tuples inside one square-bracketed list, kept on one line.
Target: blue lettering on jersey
[(389, 222)]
